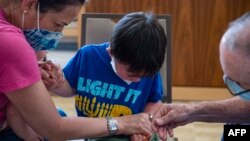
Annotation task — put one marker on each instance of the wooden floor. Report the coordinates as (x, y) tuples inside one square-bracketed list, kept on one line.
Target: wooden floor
[(193, 132)]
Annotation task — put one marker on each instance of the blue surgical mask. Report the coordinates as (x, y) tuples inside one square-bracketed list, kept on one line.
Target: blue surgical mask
[(236, 89), (41, 39), (114, 69)]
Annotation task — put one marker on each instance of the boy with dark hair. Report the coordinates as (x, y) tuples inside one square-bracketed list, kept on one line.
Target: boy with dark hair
[(121, 77)]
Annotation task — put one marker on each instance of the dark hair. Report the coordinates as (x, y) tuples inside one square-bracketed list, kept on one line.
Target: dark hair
[(57, 5), (139, 40)]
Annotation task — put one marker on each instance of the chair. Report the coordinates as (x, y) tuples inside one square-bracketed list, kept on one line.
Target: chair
[(97, 28)]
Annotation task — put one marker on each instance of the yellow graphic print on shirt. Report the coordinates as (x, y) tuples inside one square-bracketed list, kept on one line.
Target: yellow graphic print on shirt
[(90, 108), (95, 98)]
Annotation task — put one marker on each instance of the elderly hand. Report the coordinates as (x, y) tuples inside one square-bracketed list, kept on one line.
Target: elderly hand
[(168, 117), (52, 74)]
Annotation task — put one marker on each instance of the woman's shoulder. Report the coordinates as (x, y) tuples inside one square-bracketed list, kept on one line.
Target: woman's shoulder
[(7, 28), (10, 34), (15, 41), (12, 40)]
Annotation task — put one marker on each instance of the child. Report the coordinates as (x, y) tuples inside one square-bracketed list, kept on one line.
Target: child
[(121, 77)]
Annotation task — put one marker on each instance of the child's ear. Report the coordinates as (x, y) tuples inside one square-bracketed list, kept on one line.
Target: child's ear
[(109, 51)]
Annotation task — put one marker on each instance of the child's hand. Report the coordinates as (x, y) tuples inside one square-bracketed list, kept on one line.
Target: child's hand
[(139, 137), (52, 74)]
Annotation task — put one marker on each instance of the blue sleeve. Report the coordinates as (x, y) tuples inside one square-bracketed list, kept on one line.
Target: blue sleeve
[(71, 70), (156, 92)]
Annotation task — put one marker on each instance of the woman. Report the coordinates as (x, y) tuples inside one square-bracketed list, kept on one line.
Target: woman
[(20, 79)]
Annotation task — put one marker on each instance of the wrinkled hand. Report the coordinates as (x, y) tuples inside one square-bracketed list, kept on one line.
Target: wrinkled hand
[(168, 117), (52, 74), (136, 124)]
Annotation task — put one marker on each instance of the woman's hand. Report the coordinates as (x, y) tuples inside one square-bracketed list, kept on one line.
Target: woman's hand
[(135, 124)]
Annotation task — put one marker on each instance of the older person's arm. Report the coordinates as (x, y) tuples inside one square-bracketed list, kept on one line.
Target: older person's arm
[(232, 110)]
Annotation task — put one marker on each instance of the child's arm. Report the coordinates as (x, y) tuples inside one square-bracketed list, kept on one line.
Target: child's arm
[(152, 107), (65, 90), (54, 80)]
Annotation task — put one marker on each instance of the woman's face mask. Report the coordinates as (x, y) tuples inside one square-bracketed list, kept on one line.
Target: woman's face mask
[(41, 39)]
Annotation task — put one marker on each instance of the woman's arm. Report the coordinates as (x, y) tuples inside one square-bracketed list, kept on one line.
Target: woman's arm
[(35, 105)]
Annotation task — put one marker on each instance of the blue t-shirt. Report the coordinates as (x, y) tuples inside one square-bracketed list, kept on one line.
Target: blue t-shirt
[(100, 92)]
